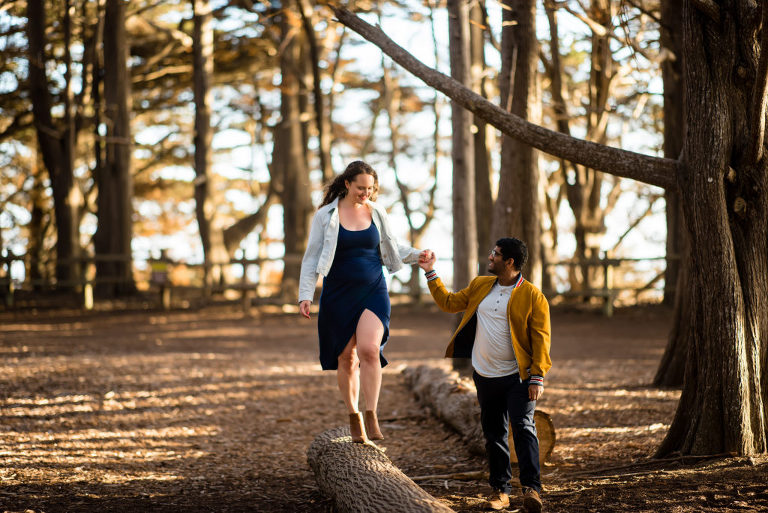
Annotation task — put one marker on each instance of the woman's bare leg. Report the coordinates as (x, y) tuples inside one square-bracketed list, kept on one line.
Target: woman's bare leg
[(348, 376), (369, 332)]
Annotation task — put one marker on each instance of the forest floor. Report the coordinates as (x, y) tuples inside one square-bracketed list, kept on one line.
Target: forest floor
[(213, 410)]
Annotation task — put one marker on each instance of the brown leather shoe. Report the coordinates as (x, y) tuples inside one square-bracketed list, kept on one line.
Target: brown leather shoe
[(372, 426), (498, 500), (531, 501), (356, 428)]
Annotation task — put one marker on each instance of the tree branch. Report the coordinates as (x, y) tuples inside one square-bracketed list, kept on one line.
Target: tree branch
[(652, 170)]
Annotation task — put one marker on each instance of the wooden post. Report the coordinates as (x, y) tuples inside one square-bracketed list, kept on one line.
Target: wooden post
[(607, 288), (88, 295), (165, 296), (8, 291), (245, 292)]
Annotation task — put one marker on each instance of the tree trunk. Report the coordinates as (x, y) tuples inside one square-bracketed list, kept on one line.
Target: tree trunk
[(483, 133), (672, 76), (722, 406), (115, 209), (57, 147), (322, 122), (359, 477), (517, 210), (462, 153), (37, 224), (289, 160), (671, 371), (211, 234), (724, 175), (454, 401), (555, 70), (672, 367)]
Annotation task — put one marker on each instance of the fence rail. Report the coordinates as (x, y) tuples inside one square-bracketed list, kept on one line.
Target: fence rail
[(168, 279)]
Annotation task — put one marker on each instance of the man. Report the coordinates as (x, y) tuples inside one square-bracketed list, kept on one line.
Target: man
[(506, 331)]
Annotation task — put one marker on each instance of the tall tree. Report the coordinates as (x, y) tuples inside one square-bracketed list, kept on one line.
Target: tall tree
[(725, 175), (483, 133), (211, 234), (56, 139), (322, 121), (462, 153), (517, 209), (289, 160), (115, 209), (672, 367)]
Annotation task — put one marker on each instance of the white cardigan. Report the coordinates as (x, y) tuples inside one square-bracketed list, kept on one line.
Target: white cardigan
[(321, 246)]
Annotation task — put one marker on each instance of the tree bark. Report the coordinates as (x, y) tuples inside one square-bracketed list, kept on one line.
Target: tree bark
[(722, 406), (57, 147), (517, 209), (676, 280), (462, 153), (115, 209), (360, 478)]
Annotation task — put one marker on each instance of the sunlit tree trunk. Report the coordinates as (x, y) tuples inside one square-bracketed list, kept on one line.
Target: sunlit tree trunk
[(725, 176)]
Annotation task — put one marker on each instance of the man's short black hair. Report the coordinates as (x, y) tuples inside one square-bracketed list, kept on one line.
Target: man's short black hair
[(513, 248)]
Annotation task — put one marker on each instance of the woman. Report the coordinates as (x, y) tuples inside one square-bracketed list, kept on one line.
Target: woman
[(349, 241)]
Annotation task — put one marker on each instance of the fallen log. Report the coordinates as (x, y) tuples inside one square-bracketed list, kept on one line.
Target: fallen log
[(360, 478), (453, 399)]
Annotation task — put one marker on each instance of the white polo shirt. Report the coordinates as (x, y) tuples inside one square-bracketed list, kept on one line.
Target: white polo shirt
[(493, 355)]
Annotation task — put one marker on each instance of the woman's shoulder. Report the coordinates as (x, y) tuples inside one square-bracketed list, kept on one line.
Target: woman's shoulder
[(324, 210), (375, 207)]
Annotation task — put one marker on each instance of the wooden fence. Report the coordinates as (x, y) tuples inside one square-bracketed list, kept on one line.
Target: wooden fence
[(168, 280)]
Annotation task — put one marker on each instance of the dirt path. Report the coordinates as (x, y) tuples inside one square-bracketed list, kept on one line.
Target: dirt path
[(213, 411)]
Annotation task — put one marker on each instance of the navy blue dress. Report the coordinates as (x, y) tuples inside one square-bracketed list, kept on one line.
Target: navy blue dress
[(354, 284)]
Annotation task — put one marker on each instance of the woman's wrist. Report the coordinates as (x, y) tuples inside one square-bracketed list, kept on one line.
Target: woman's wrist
[(430, 274)]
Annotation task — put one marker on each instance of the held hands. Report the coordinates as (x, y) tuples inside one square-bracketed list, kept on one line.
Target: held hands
[(304, 308), (427, 259)]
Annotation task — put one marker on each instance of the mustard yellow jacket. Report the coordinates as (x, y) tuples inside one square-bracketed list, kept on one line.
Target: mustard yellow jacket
[(527, 312)]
